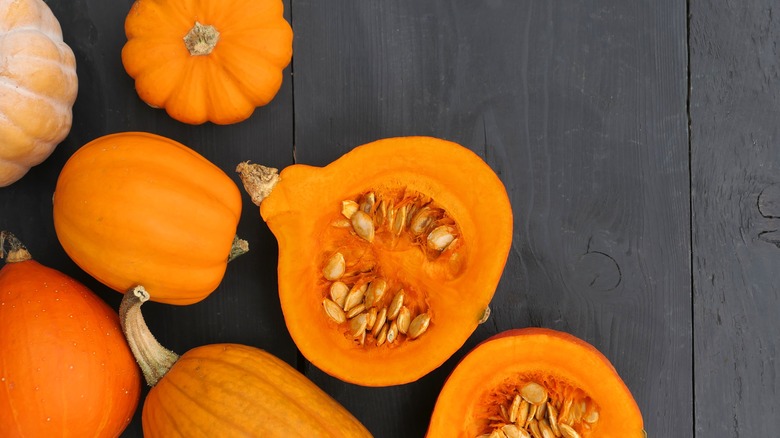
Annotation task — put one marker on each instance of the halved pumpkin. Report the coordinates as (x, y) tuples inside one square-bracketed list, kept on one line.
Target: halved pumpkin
[(535, 382), (388, 257)]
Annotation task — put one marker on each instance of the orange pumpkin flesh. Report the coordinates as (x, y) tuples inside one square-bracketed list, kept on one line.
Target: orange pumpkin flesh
[(580, 383), (228, 390), (451, 284), (65, 368), (207, 60), (136, 208)]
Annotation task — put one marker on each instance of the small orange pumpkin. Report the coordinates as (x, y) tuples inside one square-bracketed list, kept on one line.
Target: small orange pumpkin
[(207, 60), (228, 390), (38, 71), (137, 208), (66, 369), (388, 256), (535, 382)]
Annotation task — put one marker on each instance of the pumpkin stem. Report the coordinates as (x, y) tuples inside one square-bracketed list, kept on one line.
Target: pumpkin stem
[(201, 39), (258, 180), (240, 247), (18, 252), (154, 359)]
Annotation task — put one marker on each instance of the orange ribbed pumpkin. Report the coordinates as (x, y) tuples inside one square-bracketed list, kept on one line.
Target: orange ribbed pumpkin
[(136, 208), (207, 60), (66, 369)]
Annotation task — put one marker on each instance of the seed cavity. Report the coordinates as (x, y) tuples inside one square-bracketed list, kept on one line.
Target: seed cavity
[(534, 410)]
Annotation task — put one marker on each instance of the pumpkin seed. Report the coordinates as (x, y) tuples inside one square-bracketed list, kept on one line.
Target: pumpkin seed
[(531, 415), (504, 414), (375, 292), (381, 337), (498, 433), (363, 225), (381, 317), (355, 311), (333, 311), (522, 412), (380, 214), (592, 417), (338, 293), (421, 221), (348, 208), (534, 393), (514, 408), (568, 431), (565, 415), (395, 305), (440, 238), (535, 431), (368, 202), (541, 410), (372, 312), (341, 223), (544, 427), (552, 418), (335, 267), (357, 325), (392, 332), (512, 431), (400, 220), (419, 325), (355, 296), (404, 319)]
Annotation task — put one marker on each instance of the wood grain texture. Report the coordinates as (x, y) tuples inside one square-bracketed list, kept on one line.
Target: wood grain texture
[(580, 107), (735, 96)]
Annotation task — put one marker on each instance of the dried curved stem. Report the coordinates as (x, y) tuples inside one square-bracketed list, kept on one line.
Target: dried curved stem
[(17, 253), (201, 39), (154, 359), (258, 180)]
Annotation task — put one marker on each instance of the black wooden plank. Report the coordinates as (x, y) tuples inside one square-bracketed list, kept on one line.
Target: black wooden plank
[(245, 308), (734, 160), (580, 107)]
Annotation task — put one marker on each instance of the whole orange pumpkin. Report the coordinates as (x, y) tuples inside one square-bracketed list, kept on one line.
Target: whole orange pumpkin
[(227, 390), (207, 60), (66, 369), (38, 71), (137, 208)]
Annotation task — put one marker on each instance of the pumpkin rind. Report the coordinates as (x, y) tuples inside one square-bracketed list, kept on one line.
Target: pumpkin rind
[(227, 389), (38, 86), (66, 369), (137, 208), (242, 71), (301, 208), (546, 355), (232, 390)]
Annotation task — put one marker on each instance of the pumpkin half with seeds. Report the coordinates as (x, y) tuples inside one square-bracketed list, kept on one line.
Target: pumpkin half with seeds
[(388, 256), (536, 383)]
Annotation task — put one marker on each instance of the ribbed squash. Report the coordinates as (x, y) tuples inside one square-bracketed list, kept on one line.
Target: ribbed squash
[(38, 86), (388, 257), (535, 382), (207, 60), (136, 208), (226, 390)]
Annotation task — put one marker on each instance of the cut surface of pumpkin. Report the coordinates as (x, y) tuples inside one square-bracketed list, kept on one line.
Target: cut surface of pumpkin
[(388, 257), (535, 382)]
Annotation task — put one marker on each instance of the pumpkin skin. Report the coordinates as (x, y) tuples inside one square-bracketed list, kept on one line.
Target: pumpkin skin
[(453, 287), (137, 208), (66, 369), (39, 72), (492, 372), (228, 390), (242, 70)]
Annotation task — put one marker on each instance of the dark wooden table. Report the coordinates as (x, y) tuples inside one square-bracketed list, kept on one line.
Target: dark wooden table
[(638, 142)]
